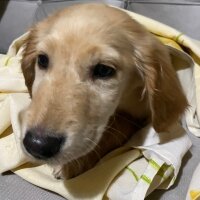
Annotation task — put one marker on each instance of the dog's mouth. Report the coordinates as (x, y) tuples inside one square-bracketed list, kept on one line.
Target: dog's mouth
[(59, 148), (79, 156), (79, 152), (53, 147)]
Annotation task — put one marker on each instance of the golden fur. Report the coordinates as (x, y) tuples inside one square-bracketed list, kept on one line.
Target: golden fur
[(66, 100)]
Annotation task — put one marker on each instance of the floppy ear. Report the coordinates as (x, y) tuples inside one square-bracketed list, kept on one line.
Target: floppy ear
[(166, 98), (29, 59)]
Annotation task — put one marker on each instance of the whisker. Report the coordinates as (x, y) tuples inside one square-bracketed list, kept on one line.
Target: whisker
[(113, 120), (116, 137), (96, 145), (73, 161), (121, 133)]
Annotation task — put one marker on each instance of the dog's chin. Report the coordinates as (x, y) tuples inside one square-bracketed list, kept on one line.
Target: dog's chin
[(72, 163)]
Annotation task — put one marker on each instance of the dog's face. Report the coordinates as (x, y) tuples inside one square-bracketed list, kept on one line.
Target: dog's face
[(78, 81), (80, 65)]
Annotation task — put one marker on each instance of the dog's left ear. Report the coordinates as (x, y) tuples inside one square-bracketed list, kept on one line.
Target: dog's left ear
[(29, 59), (166, 98)]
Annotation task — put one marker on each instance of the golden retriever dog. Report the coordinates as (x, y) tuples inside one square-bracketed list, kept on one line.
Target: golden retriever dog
[(95, 76)]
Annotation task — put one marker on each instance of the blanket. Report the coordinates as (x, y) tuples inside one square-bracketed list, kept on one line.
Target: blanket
[(130, 172)]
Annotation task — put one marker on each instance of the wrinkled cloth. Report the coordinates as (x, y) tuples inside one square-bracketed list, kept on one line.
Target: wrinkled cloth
[(194, 187), (130, 172)]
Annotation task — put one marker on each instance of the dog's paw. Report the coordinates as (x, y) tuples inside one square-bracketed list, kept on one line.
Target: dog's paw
[(58, 172)]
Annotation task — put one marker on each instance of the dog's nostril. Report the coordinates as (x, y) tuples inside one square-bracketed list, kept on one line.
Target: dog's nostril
[(42, 147)]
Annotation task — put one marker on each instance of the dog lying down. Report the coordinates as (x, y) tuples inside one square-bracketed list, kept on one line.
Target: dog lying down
[(95, 76)]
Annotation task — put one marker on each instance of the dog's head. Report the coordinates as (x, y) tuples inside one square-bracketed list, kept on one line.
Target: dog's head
[(82, 64)]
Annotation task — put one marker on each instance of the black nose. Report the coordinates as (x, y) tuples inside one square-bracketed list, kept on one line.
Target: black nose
[(42, 146)]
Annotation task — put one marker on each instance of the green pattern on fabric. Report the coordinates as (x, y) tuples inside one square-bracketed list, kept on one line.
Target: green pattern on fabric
[(171, 167), (162, 171), (178, 36), (146, 179), (133, 173), (154, 164)]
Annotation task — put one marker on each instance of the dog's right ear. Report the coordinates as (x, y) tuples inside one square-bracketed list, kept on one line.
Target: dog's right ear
[(29, 59), (166, 98)]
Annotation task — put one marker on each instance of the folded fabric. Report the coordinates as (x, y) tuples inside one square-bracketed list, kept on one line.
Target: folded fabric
[(130, 172), (194, 187)]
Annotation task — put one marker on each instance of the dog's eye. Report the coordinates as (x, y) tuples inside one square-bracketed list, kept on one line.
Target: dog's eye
[(43, 61), (103, 71)]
